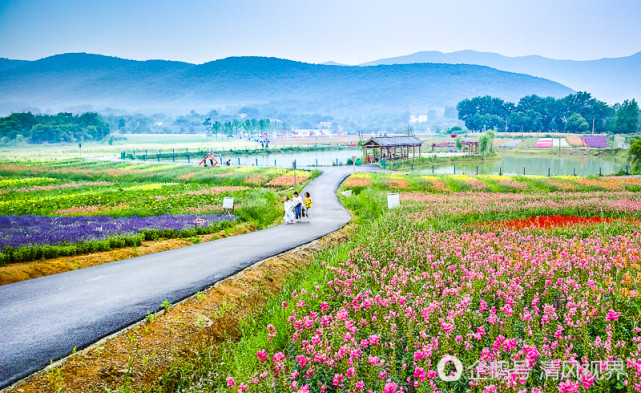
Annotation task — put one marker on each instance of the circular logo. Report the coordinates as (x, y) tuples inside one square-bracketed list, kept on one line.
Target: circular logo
[(440, 367)]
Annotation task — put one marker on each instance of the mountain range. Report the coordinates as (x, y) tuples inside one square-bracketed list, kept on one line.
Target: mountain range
[(273, 85), (609, 79)]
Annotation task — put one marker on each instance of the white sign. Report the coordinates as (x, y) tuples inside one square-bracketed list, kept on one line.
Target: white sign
[(347, 193), (228, 203), (393, 200)]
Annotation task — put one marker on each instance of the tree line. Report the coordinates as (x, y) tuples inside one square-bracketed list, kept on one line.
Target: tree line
[(236, 127), (578, 113), (63, 127)]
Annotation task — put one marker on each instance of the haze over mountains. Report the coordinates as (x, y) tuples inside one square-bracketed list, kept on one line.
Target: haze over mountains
[(610, 79), (95, 82)]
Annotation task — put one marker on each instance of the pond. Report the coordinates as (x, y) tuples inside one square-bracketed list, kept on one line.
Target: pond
[(284, 160), (512, 164)]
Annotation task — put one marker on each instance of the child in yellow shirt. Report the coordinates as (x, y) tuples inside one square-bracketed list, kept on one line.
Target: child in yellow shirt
[(308, 204)]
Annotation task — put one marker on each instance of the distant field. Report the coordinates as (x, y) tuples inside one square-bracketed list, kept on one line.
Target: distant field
[(151, 143), (138, 142)]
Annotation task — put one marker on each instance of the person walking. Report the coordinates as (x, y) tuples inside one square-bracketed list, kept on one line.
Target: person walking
[(298, 206), (289, 211), (308, 204)]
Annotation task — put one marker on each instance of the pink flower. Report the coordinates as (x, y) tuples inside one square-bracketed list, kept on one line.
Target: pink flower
[(242, 387), (390, 387), (262, 355), (272, 332), (612, 316), (360, 385), (447, 327), (284, 305), (278, 357), (568, 387), (420, 374), (230, 382), (587, 381), (351, 372)]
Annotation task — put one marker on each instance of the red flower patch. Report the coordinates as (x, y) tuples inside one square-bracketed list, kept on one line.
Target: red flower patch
[(547, 222)]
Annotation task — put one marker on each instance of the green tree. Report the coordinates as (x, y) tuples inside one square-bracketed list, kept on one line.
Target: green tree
[(216, 127), (264, 125), (484, 143), (634, 154), (485, 112), (459, 142), (627, 118), (591, 109), (491, 135), (250, 126), (576, 123), (528, 121)]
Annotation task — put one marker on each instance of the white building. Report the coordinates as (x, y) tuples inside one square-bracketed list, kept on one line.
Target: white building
[(418, 118)]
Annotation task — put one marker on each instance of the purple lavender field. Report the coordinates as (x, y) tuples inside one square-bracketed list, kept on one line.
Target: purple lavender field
[(28, 230), (598, 141)]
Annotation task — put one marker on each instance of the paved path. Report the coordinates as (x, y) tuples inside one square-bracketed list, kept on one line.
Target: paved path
[(45, 318)]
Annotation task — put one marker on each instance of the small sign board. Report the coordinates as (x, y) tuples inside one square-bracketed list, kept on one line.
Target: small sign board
[(347, 193), (393, 200), (228, 203)]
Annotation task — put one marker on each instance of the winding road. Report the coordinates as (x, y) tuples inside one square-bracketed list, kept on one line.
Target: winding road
[(45, 318)]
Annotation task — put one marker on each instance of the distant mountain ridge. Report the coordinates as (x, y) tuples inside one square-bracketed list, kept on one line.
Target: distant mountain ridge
[(79, 79), (7, 64), (609, 79)]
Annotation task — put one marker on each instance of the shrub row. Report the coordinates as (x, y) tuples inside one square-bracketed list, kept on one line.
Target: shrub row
[(31, 253)]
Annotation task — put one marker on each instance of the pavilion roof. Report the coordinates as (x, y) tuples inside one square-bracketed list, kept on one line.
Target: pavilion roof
[(392, 141)]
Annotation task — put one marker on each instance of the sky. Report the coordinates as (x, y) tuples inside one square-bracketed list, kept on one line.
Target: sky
[(315, 31)]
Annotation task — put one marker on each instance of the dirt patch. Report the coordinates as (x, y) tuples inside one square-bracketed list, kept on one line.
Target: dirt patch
[(15, 272), (136, 357)]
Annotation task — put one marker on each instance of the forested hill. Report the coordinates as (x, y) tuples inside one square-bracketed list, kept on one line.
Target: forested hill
[(609, 79), (59, 82), (7, 64)]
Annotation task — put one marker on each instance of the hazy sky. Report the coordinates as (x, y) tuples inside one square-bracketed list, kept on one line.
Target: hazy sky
[(346, 31)]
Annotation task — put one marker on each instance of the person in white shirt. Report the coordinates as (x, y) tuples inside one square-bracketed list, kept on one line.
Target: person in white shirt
[(289, 211), (298, 206)]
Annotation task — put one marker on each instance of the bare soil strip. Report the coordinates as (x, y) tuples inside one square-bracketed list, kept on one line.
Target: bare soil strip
[(137, 356)]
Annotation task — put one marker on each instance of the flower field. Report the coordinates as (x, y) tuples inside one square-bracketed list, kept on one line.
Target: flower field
[(489, 183), (61, 208), (475, 291)]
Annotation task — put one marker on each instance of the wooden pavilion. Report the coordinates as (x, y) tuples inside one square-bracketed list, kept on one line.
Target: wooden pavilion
[(392, 147), (472, 147)]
